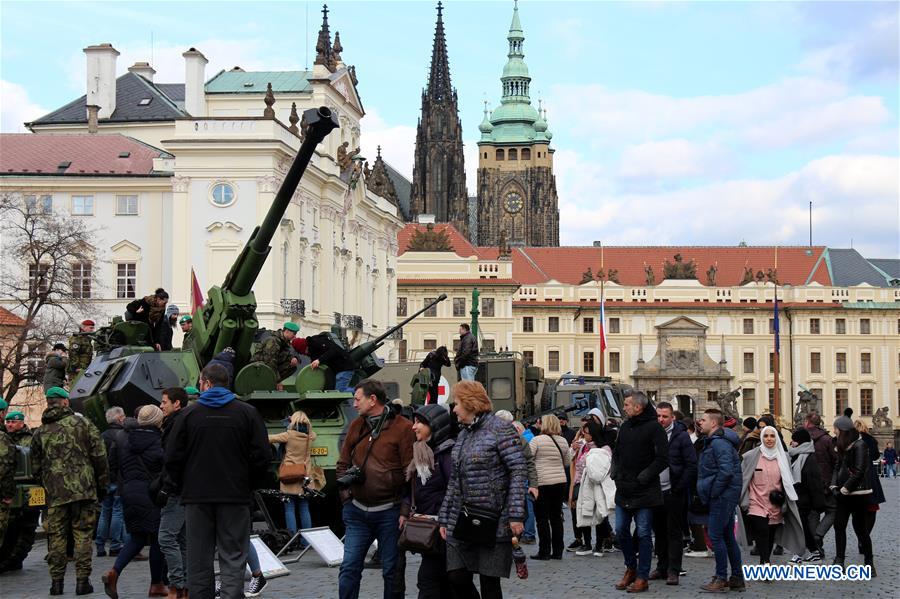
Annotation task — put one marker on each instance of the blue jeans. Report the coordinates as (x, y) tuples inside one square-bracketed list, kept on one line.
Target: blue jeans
[(290, 516), (530, 527), (252, 557), (721, 535), (342, 381), (636, 558), (467, 373), (111, 525), (362, 527), (890, 470), (172, 541)]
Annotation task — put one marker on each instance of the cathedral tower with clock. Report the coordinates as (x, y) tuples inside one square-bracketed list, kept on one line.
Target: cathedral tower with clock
[(516, 185)]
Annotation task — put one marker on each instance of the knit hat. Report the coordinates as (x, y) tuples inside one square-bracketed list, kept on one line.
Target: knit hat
[(172, 310), (800, 436), (186, 318), (88, 322), (730, 422), (192, 390), (750, 422), (299, 345), (291, 326), (61, 346), (15, 416), (150, 416), (438, 419), (843, 423), (56, 392)]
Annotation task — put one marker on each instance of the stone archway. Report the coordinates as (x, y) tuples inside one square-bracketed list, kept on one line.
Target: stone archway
[(684, 404)]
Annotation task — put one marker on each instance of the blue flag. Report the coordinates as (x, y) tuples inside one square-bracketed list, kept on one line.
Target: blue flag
[(777, 327)]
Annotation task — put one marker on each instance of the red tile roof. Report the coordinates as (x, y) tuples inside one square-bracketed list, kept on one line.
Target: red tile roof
[(481, 282), (616, 305), (534, 265), (461, 245), (8, 319), (98, 154)]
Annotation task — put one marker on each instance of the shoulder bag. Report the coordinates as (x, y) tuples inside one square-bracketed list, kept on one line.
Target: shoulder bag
[(475, 524), (420, 533), (561, 459)]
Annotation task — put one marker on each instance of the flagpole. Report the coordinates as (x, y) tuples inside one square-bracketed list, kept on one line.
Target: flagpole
[(777, 356), (602, 317)]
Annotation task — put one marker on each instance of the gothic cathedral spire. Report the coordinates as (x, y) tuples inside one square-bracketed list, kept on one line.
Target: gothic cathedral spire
[(325, 53), (439, 173)]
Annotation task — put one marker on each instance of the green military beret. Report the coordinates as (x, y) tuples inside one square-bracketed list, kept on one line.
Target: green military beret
[(292, 326), (185, 318), (15, 416), (3, 404), (192, 390), (56, 392)]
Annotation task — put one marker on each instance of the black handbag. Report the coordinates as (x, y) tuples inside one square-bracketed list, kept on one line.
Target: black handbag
[(777, 498), (477, 525)]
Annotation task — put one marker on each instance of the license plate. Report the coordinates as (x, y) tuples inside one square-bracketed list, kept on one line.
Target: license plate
[(36, 497), (319, 451)]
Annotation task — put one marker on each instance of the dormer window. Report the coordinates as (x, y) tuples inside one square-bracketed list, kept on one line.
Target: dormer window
[(145, 102)]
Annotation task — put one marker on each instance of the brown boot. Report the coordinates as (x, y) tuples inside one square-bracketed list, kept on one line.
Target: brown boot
[(110, 579), (716, 585), (672, 579), (173, 592), (638, 586), (627, 579), (158, 590)]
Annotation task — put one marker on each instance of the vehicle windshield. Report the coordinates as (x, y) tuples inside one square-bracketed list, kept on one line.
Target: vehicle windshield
[(612, 407)]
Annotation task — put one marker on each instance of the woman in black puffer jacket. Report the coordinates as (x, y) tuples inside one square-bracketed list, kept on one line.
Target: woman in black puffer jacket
[(489, 473), (140, 460), (850, 486), (428, 475)]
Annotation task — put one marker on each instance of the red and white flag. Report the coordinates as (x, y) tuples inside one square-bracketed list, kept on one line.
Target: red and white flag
[(602, 325), (197, 299)]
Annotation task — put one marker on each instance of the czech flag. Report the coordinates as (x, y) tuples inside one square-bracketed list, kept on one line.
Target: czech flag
[(602, 325), (197, 299)]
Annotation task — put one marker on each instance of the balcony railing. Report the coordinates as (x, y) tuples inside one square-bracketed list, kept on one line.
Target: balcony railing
[(294, 307), (350, 322)]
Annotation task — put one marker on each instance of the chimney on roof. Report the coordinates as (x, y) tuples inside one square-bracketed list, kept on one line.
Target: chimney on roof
[(195, 82), (92, 110), (143, 69), (424, 219), (101, 78)]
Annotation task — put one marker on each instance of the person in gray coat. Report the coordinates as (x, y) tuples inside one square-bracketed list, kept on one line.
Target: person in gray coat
[(489, 473), (57, 362)]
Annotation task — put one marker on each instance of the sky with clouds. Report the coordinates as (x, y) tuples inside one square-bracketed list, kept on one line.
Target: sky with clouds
[(691, 123)]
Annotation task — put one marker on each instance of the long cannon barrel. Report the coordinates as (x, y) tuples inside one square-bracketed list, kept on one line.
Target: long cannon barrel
[(247, 267), (358, 353)]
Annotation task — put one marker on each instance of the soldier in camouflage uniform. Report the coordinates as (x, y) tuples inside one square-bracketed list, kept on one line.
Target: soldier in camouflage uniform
[(187, 327), (276, 351), (7, 479), (69, 459), (81, 350), (20, 531)]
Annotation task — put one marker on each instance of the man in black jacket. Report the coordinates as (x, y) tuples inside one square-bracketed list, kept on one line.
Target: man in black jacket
[(821, 521), (323, 349), (217, 453), (674, 481), (172, 542), (466, 359), (111, 525), (640, 455)]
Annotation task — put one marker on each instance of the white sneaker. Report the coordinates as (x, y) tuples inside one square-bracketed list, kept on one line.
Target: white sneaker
[(706, 553), (256, 586), (796, 559), (584, 550), (598, 553)]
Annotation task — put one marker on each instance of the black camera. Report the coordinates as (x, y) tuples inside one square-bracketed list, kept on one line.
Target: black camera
[(353, 476)]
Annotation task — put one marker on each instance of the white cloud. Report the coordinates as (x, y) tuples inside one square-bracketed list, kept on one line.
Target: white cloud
[(854, 196), (397, 142), (870, 51), (790, 112), (671, 158), (17, 108)]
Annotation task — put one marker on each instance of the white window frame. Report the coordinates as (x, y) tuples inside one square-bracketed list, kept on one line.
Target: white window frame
[(119, 277), (87, 208), (127, 197)]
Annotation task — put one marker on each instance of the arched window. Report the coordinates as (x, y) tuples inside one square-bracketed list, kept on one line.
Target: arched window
[(526, 153), (500, 154), (485, 155), (513, 154)]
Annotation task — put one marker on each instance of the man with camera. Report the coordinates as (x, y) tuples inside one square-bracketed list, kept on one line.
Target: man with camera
[(370, 472)]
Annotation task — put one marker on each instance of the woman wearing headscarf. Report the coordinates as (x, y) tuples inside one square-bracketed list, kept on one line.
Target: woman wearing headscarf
[(296, 441), (428, 475), (595, 499), (807, 483), (768, 498), (850, 486), (489, 473), (139, 459)]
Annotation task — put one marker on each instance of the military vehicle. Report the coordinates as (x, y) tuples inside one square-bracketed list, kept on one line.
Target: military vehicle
[(511, 382), (25, 508), (578, 394)]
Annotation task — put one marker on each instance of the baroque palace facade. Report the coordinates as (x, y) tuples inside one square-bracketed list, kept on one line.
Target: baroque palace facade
[(682, 323), (175, 176)]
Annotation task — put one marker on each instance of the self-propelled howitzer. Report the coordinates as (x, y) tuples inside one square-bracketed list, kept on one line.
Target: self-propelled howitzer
[(127, 372)]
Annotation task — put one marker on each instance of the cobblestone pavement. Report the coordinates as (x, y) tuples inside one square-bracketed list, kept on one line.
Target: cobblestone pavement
[(575, 576)]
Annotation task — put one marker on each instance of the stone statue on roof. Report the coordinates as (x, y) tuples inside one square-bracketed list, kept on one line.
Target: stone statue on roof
[(587, 276), (680, 269), (748, 276), (345, 158), (711, 275), (504, 246), (650, 276), (429, 240)]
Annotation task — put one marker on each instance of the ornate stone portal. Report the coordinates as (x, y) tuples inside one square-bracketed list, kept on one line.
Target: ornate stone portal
[(681, 372)]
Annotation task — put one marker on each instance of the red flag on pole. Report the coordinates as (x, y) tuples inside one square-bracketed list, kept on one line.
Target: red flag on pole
[(197, 299)]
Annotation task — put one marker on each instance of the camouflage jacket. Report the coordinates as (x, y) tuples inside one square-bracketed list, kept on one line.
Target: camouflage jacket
[(276, 353), (22, 436), (55, 373), (69, 457), (188, 342), (7, 466), (81, 352)]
